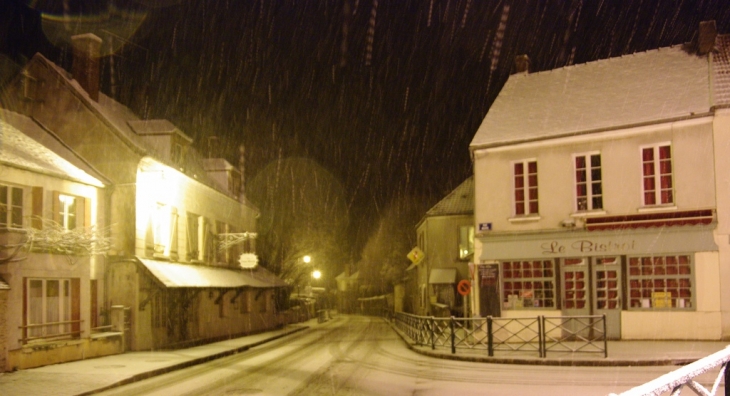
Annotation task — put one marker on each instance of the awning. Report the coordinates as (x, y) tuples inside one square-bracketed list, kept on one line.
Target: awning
[(442, 276), (3, 285), (175, 275)]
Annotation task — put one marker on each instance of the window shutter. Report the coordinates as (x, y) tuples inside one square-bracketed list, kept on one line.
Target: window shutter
[(76, 304), (173, 233), (25, 309), (94, 292), (56, 208), (37, 208)]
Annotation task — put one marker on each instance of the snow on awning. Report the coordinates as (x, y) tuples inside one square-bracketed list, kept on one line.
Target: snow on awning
[(175, 275), (3, 285), (442, 275)]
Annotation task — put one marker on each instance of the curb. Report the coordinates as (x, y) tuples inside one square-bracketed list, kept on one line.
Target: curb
[(598, 362), (190, 363)]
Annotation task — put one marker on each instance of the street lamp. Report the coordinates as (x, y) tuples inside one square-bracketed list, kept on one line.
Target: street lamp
[(307, 259), (316, 274)]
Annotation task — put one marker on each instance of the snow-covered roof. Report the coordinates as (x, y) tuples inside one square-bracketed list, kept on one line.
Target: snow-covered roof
[(181, 275), (20, 151), (459, 201), (4, 285), (652, 86)]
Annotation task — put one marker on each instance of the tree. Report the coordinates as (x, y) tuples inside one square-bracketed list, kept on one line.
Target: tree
[(384, 261), (303, 213)]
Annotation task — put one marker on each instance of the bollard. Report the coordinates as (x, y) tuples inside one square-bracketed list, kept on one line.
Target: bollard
[(453, 336), (490, 337)]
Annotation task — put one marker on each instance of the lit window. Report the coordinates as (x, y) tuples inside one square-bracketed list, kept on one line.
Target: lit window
[(660, 282), (164, 227), (195, 239), (657, 186), (49, 308), (528, 284), (67, 211), (525, 179), (11, 207), (466, 241), (588, 189)]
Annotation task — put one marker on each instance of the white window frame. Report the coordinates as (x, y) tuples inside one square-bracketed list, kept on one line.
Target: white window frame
[(657, 176), (67, 211), (64, 305), (526, 187), (164, 227), (466, 246), (9, 207), (589, 182)]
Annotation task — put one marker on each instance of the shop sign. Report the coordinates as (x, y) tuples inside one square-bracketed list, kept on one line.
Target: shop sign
[(588, 246)]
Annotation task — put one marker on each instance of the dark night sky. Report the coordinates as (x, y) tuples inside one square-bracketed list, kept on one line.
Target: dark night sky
[(388, 111)]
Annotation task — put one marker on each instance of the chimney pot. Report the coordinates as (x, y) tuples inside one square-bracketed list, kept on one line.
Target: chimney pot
[(522, 64), (706, 41), (85, 65)]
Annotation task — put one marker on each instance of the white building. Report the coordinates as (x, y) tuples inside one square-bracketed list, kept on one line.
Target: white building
[(604, 188)]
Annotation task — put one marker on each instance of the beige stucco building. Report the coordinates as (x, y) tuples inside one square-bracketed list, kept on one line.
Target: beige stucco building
[(604, 188), (445, 237), (180, 223), (50, 309)]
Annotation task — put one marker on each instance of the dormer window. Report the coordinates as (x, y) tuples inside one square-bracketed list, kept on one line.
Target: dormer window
[(176, 153)]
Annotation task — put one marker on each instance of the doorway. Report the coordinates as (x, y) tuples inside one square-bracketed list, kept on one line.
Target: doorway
[(592, 286)]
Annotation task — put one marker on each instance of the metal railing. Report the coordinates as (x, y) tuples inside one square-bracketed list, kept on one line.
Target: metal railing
[(676, 380), (574, 334), (54, 331)]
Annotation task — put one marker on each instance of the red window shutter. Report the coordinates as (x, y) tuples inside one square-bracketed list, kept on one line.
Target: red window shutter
[(37, 209), (75, 304), (25, 309), (56, 208), (94, 302)]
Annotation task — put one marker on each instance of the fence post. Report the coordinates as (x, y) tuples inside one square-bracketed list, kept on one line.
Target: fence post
[(605, 337), (433, 337), (726, 366), (490, 337), (541, 336), (453, 336)]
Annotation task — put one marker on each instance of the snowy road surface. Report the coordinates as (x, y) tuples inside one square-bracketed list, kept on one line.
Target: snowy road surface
[(353, 355)]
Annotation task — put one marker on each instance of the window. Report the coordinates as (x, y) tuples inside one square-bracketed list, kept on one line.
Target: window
[(159, 307), (195, 238), (466, 241), (588, 190), (657, 185), (525, 180), (660, 282), (67, 211), (528, 284), (245, 299), (52, 305), (11, 207), (164, 230)]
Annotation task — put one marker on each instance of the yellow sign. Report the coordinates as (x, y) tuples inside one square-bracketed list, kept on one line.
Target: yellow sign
[(415, 255), (661, 299)]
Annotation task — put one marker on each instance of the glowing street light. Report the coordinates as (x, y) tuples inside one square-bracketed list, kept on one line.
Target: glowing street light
[(316, 274), (306, 259)]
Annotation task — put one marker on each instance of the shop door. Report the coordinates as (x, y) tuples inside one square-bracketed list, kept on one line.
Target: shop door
[(607, 293), (575, 301)]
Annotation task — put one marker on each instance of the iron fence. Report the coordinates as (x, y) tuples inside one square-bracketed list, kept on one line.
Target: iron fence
[(575, 334), (675, 381)]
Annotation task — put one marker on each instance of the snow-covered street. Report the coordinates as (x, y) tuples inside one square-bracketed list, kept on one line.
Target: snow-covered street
[(354, 355)]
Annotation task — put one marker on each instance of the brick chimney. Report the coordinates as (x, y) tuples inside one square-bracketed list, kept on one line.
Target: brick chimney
[(85, 66), (706, 40), (522, 64)]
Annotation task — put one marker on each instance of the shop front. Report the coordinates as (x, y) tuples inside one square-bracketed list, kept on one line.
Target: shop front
[(645, 280)]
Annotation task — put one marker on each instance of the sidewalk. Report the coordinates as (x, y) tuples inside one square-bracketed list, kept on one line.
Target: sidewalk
[(85, 377), (620, 353)]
